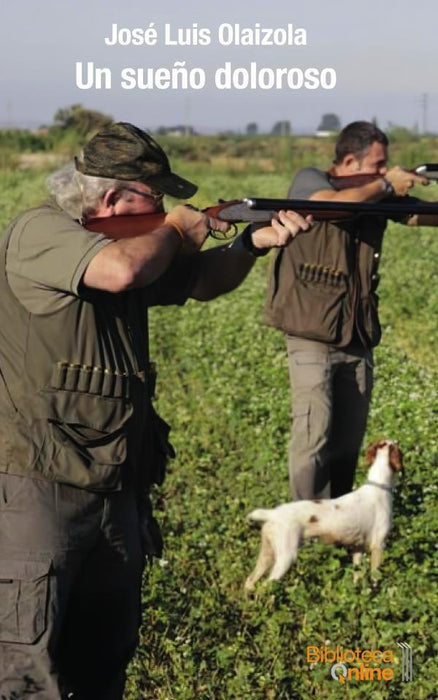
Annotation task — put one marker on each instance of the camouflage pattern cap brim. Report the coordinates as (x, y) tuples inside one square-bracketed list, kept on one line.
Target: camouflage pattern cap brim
[(124, 152)]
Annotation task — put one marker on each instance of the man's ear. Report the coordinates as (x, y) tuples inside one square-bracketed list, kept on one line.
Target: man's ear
[(110, 198), (351, 163)]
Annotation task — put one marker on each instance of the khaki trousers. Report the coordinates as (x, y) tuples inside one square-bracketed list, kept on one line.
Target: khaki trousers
[(71, 567), (331, 393)]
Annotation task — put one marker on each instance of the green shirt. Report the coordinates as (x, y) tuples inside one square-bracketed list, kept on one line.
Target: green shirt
[(74, 398)]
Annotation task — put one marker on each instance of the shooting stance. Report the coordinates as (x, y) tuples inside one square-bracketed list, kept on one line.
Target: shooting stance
[(80, 443), (322, 295)]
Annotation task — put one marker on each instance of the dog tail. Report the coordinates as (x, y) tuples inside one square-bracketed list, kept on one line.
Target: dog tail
[(260, 515)]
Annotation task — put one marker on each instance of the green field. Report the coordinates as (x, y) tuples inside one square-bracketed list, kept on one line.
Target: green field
[(223, 385)]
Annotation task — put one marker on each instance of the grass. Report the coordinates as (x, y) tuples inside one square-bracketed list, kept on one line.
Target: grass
[(223, 385)]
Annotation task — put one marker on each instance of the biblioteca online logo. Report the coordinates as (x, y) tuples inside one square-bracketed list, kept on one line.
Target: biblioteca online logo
[(364, 665)]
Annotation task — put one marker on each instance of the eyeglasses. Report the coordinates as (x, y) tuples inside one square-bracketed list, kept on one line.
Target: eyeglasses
[(154, 196)]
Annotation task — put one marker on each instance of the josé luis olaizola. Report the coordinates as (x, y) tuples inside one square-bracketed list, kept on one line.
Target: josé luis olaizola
[(227, 35)]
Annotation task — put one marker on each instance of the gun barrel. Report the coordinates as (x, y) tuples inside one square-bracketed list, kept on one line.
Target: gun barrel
[(407, 206), (429, 170)]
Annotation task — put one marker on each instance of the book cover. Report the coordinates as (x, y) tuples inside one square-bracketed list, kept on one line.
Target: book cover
[(242, 96)]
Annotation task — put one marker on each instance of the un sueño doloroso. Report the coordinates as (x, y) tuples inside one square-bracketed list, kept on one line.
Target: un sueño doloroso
[(226, 77)]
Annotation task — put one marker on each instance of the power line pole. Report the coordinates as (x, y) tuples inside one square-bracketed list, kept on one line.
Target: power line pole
[(424, 108)]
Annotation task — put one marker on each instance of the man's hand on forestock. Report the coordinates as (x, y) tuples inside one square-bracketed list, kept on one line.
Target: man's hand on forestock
[(193, 226), (282, 230)]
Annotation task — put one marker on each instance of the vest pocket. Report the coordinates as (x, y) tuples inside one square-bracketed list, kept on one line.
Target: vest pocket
[(315, 311), (24, 588), (370, 319), (93, 445), (93, 426)]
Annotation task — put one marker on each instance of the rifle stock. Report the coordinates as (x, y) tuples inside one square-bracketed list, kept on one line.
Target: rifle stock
[(126, 226), (428, 170)]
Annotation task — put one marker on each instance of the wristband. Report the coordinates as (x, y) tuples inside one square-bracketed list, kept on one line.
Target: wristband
[(246, 238), (387, 188)]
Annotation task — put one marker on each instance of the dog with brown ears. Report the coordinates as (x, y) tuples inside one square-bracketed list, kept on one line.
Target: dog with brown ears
[(359, 520)]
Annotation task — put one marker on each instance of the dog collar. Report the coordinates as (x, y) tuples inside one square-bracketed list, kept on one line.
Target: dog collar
[(380, 486)]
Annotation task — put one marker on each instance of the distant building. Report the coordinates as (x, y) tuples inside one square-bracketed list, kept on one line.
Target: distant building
[(176, 131), (330, 124)]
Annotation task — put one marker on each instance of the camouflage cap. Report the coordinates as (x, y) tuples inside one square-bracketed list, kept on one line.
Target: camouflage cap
[(124, 152)]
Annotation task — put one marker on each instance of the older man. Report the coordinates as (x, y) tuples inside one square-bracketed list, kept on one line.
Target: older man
[(79, 441)]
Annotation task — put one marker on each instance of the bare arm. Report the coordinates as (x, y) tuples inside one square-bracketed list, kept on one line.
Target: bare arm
[(371, 192), (134, 262), (401, 181)]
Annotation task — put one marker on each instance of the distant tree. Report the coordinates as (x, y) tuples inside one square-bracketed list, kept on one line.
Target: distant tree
[(81, 120), (252, 129), (281, 128), (401, 134), (329, 122)]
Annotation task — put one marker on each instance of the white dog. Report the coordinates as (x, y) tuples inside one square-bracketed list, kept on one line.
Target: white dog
[(360, 519)]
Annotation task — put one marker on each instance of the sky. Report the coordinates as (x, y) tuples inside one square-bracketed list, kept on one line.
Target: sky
[(373, 60)]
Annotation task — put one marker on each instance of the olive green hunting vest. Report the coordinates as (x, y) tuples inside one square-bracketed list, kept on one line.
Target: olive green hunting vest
[(74, 399), (323, 284)]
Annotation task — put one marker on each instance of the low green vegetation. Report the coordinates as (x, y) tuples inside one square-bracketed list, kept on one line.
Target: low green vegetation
[(223, 385)]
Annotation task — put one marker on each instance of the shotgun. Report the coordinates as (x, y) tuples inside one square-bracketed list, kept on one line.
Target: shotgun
[(257, 210)]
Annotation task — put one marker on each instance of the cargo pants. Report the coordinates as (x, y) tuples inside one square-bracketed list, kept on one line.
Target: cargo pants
[(71, 564), (331, 393)]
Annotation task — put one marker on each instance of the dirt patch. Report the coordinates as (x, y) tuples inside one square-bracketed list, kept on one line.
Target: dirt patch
[(27, 161), (239, 164)]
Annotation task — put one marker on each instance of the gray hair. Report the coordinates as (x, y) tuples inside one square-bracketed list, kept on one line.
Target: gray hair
[(77, 194)]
